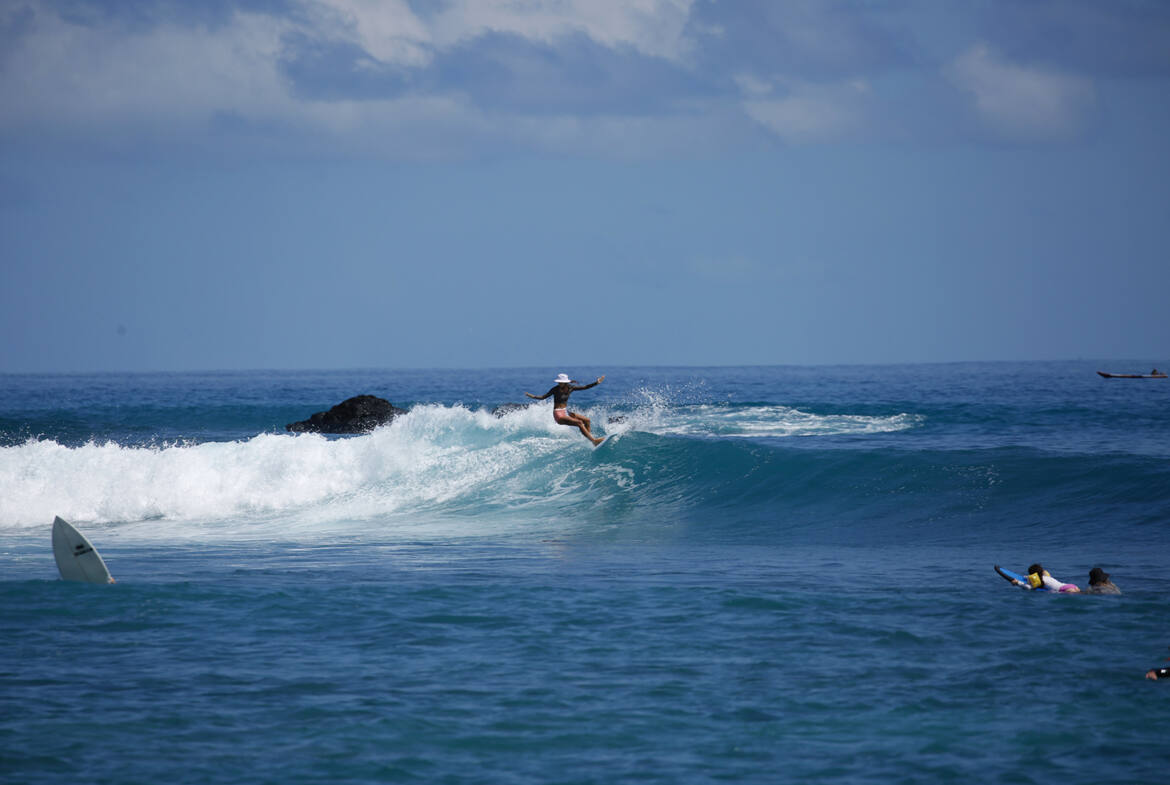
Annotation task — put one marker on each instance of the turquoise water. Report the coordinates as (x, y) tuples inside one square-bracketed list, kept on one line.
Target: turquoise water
[(771, 575)]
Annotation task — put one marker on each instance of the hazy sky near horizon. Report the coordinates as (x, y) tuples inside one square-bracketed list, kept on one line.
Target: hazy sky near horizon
[(568, 183)]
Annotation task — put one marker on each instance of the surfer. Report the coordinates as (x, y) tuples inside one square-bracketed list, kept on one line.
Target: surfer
[(560, 392), (1099, 583)]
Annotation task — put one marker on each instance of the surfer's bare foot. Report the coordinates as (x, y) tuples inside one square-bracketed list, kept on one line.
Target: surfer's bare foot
[(596, 441)]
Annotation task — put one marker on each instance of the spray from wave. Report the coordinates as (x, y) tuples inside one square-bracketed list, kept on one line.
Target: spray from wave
[(436, 462)]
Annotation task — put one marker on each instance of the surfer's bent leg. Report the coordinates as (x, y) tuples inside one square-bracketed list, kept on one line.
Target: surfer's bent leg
[(565, 417), (582, 423), (584, 426)]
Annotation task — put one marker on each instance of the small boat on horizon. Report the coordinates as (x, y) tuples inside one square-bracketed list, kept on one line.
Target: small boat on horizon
[(1154, 374)]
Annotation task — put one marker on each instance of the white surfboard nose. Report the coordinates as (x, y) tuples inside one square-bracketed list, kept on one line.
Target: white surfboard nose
[(77, 559)]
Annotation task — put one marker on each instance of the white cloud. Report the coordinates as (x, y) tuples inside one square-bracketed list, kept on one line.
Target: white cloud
[(808, 113), (387, 30), (69, 75), (390, 32), (651, 27), (1020, 101), (752, 85), (172, 80)]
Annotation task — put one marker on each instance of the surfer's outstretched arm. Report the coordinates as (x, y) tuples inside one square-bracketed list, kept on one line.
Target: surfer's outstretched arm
[(600, 379), (541, 397)]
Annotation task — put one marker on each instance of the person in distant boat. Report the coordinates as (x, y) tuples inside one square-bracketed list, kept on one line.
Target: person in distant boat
[(1099, 583), (560, 393), (1040, 578)]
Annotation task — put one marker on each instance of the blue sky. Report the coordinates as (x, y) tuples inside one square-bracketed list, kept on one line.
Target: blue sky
[(568, 183)]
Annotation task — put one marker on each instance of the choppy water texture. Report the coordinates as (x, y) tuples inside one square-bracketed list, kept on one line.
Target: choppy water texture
[(770, 575)]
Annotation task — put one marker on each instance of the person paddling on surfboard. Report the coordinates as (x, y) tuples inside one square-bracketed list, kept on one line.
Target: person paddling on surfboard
[(560, 392), (1040, 578)]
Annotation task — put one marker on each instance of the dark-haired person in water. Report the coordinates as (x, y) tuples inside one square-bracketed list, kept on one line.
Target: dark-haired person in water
[(1158, 673), (1040, 578), (1099, 583), (560, 392)]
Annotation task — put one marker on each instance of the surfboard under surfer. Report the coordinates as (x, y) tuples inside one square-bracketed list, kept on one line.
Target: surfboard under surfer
[(560, 393)]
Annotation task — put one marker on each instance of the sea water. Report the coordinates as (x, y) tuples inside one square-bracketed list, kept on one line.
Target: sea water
[(769, 575)]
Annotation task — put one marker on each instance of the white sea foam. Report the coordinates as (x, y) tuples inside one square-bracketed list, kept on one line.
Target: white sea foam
[(431, 457), (741, 422), (432, 466)]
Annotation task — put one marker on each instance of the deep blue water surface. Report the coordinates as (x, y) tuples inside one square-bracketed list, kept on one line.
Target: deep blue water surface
[(770, 575)]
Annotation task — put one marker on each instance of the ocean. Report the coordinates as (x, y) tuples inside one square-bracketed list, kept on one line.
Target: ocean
[(768, 575)]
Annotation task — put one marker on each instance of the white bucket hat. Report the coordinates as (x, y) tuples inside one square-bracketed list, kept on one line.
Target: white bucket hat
[(563, 379)]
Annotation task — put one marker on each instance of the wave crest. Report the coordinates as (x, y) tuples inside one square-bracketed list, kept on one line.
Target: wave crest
[(436, 461)]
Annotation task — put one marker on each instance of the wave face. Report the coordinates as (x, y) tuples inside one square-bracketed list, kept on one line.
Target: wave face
[(934, 453)]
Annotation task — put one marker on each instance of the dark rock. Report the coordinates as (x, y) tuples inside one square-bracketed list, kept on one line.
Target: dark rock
[(617, 418), (360, 414), (508, 408)]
